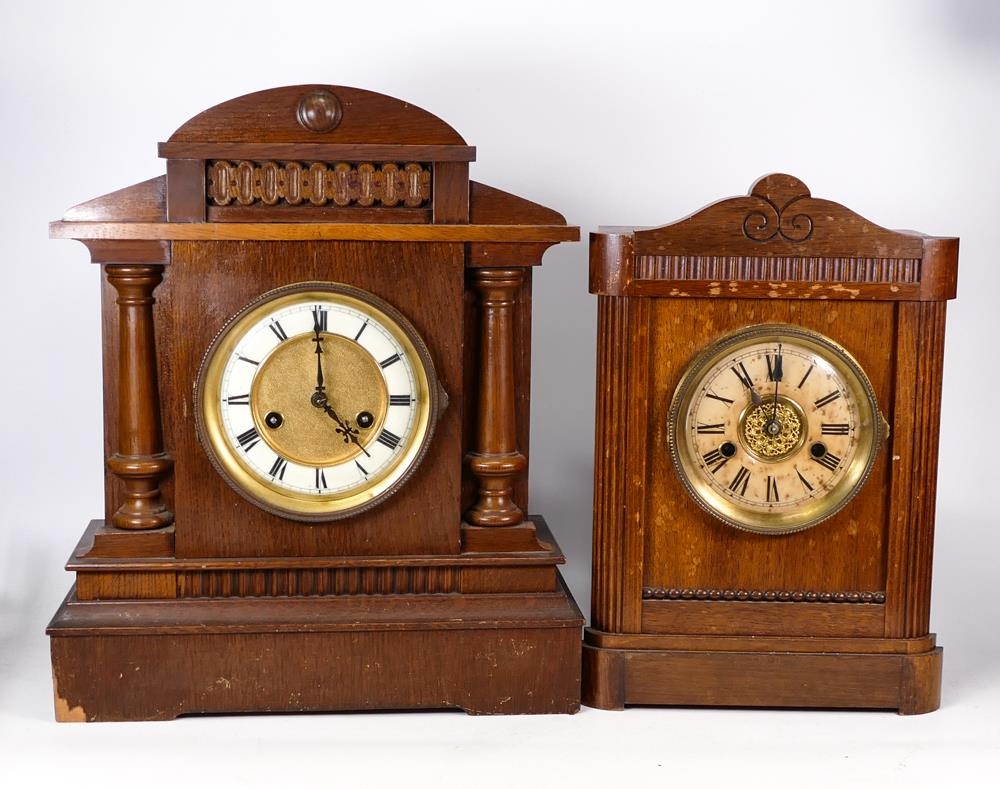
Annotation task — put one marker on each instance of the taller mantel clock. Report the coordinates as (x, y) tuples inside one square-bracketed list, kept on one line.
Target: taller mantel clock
[(316, 340), (769, 375)]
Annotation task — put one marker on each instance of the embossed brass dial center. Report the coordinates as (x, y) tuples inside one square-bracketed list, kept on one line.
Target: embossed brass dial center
[(773, 430), (286, 383)]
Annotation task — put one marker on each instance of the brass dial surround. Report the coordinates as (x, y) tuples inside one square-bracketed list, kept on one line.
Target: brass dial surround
[(317, 401), (774, 428)]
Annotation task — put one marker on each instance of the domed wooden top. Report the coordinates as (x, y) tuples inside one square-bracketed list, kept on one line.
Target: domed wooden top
[(308, 114)]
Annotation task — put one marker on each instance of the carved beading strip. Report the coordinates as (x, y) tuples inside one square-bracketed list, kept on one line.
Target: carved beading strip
[(318, 582), (318, 183), (775, 596), (725, 268)]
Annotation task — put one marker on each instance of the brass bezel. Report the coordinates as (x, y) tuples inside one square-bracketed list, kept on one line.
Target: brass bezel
[(288, 503), (871, 431)]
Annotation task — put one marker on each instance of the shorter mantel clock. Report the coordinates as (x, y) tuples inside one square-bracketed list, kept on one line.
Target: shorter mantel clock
[(316, 335), (769, 374)]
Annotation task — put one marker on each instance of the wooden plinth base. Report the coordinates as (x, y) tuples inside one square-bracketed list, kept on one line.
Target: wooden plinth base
[(741, 671), (142, 660), (506, 640)]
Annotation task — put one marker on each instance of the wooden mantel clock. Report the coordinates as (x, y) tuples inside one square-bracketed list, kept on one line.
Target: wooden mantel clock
[(316, 338), (769, 377)]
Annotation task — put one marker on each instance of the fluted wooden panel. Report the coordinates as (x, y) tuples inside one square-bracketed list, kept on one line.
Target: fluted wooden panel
[(621, 396), (915, 445), (780, 268), (309, 582)]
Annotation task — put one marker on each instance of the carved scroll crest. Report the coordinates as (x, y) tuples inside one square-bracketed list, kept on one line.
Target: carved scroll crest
[(772, 220)]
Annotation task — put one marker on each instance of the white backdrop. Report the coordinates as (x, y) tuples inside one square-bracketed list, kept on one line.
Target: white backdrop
[(611, 113)]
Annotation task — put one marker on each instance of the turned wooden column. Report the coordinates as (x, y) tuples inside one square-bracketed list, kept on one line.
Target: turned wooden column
[(139, 462), (496, 461)]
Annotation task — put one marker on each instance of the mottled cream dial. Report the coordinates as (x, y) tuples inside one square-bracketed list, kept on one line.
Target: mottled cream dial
[(774, 428)]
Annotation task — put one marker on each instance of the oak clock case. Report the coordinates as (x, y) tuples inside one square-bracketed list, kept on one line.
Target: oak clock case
[(316, 335), (769, 374)]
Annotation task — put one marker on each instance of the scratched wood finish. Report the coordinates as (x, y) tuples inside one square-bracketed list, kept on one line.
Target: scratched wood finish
[(315, 183), (305, 654), (909, 684), (703, 553), (679, 599)]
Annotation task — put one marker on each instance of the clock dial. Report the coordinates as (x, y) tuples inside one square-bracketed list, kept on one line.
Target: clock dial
[(317, 401), (774, 429)]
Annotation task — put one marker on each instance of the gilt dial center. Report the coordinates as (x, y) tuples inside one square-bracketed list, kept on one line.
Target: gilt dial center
[(284, 388), (773, 429)]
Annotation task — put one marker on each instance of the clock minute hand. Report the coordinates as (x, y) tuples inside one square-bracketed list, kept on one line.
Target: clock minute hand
[(318, 339), (777, 373), (773, 426)]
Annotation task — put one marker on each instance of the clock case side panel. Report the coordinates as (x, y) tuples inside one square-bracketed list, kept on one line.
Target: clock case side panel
[(209, 281), (621, 405), (916, 421)]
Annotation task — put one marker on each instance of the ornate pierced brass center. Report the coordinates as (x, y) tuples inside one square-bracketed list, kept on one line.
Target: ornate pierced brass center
[(292, 425), (773, 430)]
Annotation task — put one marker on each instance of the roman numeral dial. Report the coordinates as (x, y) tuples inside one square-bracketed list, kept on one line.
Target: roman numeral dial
[(774, 428), (317, 400)]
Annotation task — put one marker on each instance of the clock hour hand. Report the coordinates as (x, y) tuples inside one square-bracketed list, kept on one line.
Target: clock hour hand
[(349, 433)]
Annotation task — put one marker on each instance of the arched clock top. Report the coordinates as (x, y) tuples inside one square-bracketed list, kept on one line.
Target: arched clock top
[(777, 241), (779, 216), (327, 114)]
